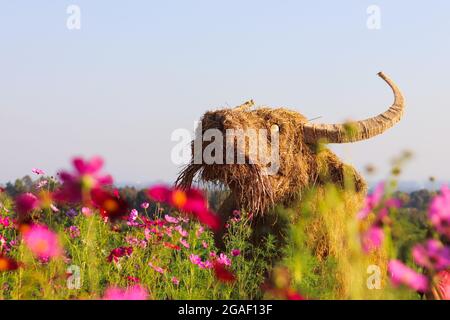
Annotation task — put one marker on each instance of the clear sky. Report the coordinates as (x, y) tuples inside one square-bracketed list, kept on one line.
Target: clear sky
[(137, 70)]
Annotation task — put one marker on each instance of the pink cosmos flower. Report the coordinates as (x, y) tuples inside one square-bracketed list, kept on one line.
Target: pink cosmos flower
[(156, 268), (372, 201), (204, 244), (74, 232), (168, 231), (145, 205), (223, 259), (199, 231), (403, 275), (170, 219), (42, 242), (175, 281), (54, 208), (181, 231), (439, 212), (132, 218), (433, 255), (136, 292), (185, 243), (195, 259), (4, 246), (86, 211), (26, 202), (372, 239), (42, 184), (37, 171), (5, 221), (207, 264), (235, 252)]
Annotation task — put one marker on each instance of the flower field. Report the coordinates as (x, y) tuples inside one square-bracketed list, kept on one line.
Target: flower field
[(77, 237)]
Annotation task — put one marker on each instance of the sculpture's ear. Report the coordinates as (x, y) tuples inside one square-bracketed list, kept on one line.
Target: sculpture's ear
[(330, 169)]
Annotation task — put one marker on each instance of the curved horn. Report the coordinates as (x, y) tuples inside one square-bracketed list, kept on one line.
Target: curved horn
[(360, 130)]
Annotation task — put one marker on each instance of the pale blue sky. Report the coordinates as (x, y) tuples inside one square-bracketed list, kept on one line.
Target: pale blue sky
[(137, 70)]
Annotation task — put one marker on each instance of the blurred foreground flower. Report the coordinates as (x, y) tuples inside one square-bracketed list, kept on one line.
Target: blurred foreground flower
[(372, 239), (441, 291), (403, 275), (189, 201), (26, 203), (42, 242), (439, 213), (372, 201), (136, 292), (433, 255), (76, 186), (110, 206), (222, 273), (7, 264)]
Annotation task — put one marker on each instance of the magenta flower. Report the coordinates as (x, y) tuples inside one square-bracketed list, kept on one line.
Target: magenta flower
[(372, 239), (160, 193), (195, 259), (189, 201), (37, 171), (136, 292), (175, 281), (5, 221), (77, 185), (235, 252), (118, 253), (145, 205), (4, 246), (439, 212), (132, 218), (26, 202), (205, 244), (433, 255), (42, 242), (206, 264), (223, 259), (403, 275)]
